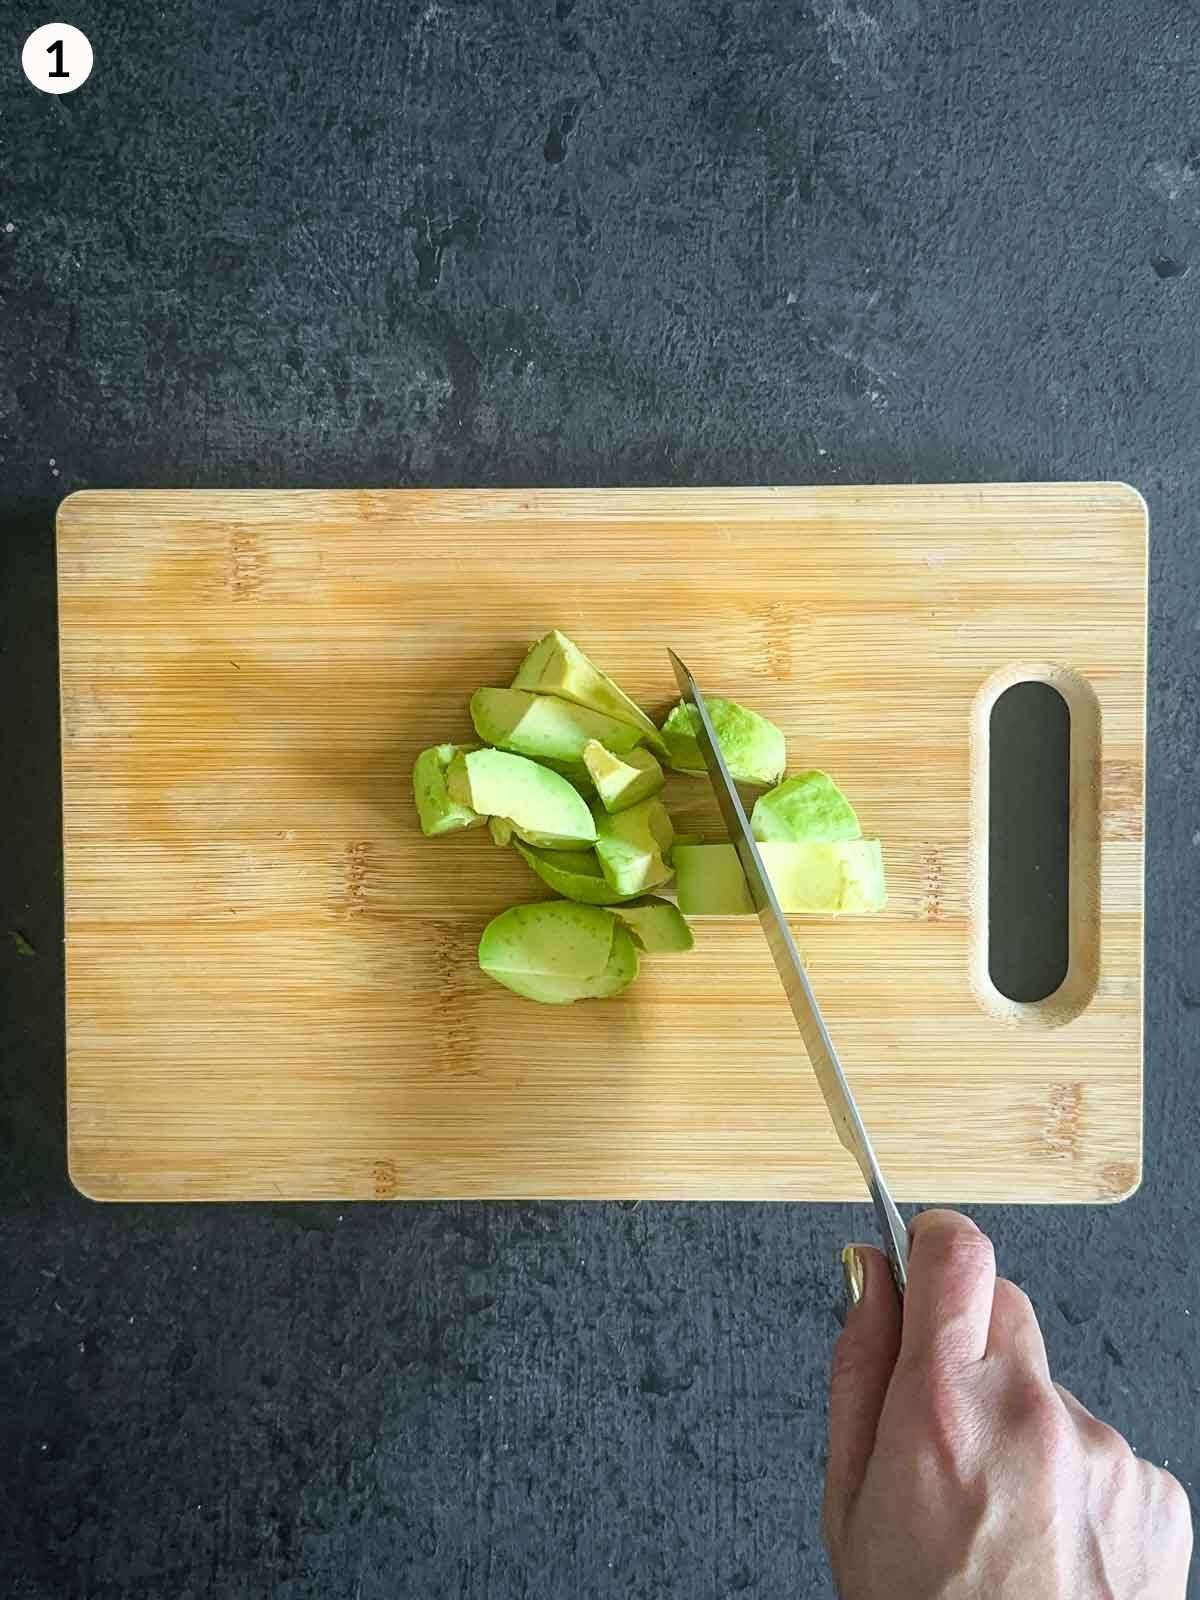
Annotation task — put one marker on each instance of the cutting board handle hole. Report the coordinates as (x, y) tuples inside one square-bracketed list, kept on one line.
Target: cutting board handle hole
[(1035, 844)]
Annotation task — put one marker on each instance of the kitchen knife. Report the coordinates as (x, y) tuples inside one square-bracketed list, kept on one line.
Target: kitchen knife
[(821, 1053)]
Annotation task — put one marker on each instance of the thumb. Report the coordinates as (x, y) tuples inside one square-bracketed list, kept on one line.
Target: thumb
[(863, 1360)]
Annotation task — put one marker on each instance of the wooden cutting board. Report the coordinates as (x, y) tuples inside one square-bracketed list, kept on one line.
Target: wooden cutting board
[(271, 980)]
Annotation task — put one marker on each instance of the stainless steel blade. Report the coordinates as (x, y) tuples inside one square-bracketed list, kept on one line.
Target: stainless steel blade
[(821, 1053)]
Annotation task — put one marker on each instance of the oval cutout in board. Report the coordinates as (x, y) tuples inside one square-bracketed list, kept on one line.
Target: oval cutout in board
[(1029, 835), (1035, 844)]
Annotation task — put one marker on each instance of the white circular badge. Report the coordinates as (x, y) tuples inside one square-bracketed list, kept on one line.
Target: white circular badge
[(57, 58)]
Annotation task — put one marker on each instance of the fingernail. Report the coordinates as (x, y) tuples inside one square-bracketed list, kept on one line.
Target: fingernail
[(852, 1268)]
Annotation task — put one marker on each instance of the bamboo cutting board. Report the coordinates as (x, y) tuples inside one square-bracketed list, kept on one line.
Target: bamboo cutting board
[(271, 979)]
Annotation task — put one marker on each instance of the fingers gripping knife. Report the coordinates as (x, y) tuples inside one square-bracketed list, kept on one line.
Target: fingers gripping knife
[(821, 1053)]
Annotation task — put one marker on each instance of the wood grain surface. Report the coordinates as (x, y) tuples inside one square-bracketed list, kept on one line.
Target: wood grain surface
[(271, 979)]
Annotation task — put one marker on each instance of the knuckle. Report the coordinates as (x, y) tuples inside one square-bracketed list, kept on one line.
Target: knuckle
[(1043, 1416), (1114, 1447), (957, 1253), (1013, 1300), (1176, 1502), (933, 1228), (967, 1254)]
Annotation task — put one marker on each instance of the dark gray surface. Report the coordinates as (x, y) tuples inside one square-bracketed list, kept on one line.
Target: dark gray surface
[(555, 243)]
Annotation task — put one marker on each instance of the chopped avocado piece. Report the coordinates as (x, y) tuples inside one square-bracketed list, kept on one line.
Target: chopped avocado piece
[(541, 726), (753, 747), (623, 963), (682, 839), (556, 952), (657, 926), (556, 665), (844, 875), (809, 808), (829, 877), (575, 874), (631, 845), (501, 830), (622, 780), (541, 805), (709, 881), (438, 812)]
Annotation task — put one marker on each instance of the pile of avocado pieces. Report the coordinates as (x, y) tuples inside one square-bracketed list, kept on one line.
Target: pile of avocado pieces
[(569, 775)]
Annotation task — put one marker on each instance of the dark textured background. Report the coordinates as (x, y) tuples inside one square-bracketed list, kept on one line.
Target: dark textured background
[(556, 242)]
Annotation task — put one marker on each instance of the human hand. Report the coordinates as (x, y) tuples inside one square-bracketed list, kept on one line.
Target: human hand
[(958, 1470)]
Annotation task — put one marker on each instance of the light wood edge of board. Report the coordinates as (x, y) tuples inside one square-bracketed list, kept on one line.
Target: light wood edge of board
[(711, 503), (1085, 944)]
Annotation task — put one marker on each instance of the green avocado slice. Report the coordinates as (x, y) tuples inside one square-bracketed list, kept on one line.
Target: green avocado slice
[(809, 808), (545, 727), (657, 926), (437, 811), (709, 881), (556, 665), (557, 952), (841, 876), (753, 748), (622, 966), (541, 805), (632, 844), (575, 874), (622, 780), (820, 878)]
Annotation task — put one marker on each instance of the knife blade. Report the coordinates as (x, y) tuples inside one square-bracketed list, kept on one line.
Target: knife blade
[(847, 1121)]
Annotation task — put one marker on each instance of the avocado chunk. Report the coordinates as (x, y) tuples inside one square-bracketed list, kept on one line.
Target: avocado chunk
[(556, 952), (623, 964), (622, 780), (821, 878), (556, 665), (541, 805), (753, 747), (541, 726), (843, 876), (437, 811), (575, 874), (501, 830), (809, 808), (709, 881), (631, 845), (657, 926)]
